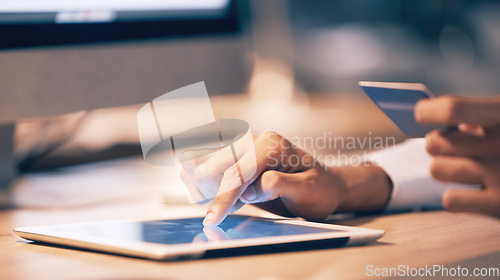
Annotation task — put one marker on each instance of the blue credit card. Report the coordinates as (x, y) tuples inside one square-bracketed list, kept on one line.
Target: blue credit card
[(397, 101)]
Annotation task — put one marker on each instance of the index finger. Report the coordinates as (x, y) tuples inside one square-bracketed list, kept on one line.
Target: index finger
[(452, 110), (270, 147), (232, 186)]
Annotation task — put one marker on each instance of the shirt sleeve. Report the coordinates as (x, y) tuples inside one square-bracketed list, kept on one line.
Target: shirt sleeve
[(408, 166)]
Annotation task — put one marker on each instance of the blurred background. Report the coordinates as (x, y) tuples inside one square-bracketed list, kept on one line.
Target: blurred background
[(451, 46), (288, 66)]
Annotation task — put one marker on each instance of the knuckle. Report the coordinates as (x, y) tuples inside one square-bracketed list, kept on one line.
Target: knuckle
[(274, 139), (271, 178), (272, 135)]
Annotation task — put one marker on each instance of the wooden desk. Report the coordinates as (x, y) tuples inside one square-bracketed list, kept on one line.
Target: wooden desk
[(413, 239)]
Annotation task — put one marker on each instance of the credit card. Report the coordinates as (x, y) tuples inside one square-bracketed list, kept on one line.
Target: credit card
[(397, 101)]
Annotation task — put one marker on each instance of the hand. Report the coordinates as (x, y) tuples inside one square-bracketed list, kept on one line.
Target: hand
[(469, 155), (291, 182)]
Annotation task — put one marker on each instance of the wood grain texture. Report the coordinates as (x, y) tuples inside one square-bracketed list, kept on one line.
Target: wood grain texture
[(413, 239)]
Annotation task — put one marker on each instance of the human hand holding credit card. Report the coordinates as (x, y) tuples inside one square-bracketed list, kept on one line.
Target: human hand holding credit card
[(464, 150), (397, 101)]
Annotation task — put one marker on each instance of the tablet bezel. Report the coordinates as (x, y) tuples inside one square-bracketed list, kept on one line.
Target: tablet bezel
[(158, 251)]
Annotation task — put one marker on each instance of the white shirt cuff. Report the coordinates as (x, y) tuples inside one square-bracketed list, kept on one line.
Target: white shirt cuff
[(408, 165)]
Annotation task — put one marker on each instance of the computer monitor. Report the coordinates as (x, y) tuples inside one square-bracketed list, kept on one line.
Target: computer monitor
[(26, 23), (60, 56)]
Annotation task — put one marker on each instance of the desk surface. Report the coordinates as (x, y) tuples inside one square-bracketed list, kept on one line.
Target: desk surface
[(413, 239)]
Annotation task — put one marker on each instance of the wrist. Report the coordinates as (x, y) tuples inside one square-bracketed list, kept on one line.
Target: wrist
[(365, 188)]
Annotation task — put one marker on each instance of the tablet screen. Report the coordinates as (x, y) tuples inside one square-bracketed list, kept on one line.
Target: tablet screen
[(191, 230)]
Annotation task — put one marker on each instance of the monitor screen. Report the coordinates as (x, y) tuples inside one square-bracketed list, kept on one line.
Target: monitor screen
[(28, 23), (61, 56)]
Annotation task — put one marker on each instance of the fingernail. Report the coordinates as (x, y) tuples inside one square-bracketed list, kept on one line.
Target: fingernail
[(250, 194), (208, 221)]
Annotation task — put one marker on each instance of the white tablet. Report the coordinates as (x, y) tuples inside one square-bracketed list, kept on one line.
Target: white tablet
[(175, 239)]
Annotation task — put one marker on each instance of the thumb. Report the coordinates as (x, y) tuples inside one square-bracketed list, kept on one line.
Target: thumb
[(271, 185), (297, 191)]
